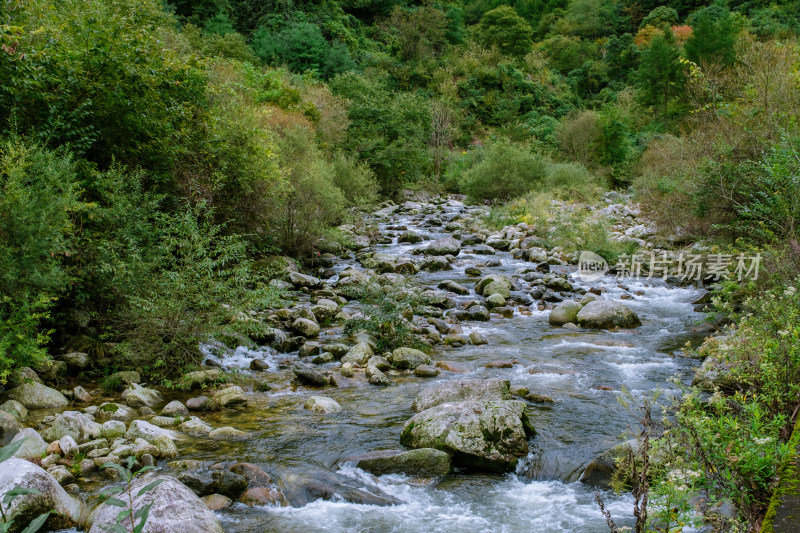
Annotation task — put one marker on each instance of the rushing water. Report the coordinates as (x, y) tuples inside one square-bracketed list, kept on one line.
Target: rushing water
[(544, 494)]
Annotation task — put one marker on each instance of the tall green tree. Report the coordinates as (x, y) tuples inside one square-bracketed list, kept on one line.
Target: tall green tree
[(502, 27), (661, 77), (713, 37)]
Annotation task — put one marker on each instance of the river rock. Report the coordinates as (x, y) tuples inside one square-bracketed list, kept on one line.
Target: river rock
[(175, 408), (452, 286), (486, 435), (322, 404), (309, 375), (232, 396), (564, 313), (76, 360), (114, 411), (423, 462), (137, 396), (139, 429), (198, 378), (9, 427), (600, 472), (303, 281), (435, 264), (195, 427), (35, 395), (607, 314), (126, 377), (33, 447), (303, 488), (113, 429), (444, 246), (306, 328), (19, 473), (358, 354), (217, 502), (426, 371), (175, 509), (409, 358), (15, 409), (494, 284), (376, 377), (79, 426), (463, 390), (81, 395), (202, 404), (262, 496), (68, 446)]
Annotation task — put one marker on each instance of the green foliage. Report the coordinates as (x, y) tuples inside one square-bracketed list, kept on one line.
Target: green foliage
[(302, 47), (504, 171), (389, 130), (767, 205), (660, 17), (62, 83), (503, 28), (661, 76), (38, 197), (713, 37), (129, 519), (387, 311), (197, 286), (310, 201)]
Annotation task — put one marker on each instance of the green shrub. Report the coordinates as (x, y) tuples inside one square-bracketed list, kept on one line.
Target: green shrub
[(505, 171), (310, 202), (302, 47), (38, 197), (355, 179), (198, 286), (571, 182)]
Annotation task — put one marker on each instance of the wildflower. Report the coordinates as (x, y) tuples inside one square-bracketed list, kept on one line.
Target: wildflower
[(763, 441)]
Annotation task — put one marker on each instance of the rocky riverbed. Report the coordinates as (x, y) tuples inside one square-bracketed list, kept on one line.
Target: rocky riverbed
[(497, 415)]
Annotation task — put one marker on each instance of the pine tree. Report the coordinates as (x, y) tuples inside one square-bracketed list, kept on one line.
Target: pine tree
[(661, 76)]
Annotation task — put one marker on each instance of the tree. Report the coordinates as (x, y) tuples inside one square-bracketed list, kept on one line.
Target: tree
[(661, 76), (417, 34), (713, 37), (502, 27), (660, 17)]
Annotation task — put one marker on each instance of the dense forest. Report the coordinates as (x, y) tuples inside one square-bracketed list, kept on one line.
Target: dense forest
[(159, 160)]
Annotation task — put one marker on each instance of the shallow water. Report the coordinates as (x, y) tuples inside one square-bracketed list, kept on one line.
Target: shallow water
[(544, 494)]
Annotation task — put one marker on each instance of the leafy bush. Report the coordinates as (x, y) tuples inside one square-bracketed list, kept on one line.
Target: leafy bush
[(38, 197), (302, 47), (572, 182), (199, 282), (310, 202), (504, 171)]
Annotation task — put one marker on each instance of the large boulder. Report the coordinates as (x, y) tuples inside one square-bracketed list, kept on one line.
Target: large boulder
[(15, 409), (564, 313), (308, 375), (137, 396), (19, 473), (139, 429), (494, 284), (77, 360), (485, 435), (409, 358), (77, 425), (35, 395), (424, 462), (607, 314), (303, 488), (9, 426), (232, 396), (323, 405), (445, 246), (463, 390), (33, 445), (358, 354), (175, 509), (305, 327), (198, 378)]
